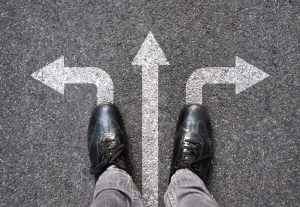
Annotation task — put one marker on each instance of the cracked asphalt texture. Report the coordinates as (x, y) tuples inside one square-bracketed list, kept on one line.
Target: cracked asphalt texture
[(43, 143)]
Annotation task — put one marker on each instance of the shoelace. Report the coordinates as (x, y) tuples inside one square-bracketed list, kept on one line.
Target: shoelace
[(190, 150), (109, 158)]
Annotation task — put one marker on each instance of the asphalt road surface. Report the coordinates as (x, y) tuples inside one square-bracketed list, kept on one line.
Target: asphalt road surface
[(43, 143)]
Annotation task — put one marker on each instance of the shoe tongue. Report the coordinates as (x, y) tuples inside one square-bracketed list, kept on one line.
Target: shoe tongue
[(186, 138), (189, 137), (110, 140)]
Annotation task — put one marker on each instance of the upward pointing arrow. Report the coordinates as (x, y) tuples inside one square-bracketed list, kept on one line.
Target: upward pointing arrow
[(56, 75), (150, 53), (243, 75), (149, 57)]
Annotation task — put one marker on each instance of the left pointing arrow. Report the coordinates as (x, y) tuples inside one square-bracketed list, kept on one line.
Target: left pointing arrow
[(56, 75)]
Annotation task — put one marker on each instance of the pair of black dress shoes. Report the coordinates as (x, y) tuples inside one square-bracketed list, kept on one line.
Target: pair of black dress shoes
[(107, 141)]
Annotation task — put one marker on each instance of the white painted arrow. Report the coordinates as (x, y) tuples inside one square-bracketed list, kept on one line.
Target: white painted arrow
[(243, 75), (149, 57), (56, 75)]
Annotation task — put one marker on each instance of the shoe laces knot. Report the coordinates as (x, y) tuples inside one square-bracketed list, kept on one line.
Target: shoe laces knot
[(191, 148), (112, 151)]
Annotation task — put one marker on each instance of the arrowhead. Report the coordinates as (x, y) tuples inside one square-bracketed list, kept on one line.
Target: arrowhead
[(249, 75), (53, 75), (150, 53)]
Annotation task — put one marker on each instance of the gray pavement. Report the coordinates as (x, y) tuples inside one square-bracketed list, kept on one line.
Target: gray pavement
[(43, 149)]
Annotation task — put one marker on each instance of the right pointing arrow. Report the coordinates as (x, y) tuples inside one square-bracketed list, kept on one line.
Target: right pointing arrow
[(243, 75)]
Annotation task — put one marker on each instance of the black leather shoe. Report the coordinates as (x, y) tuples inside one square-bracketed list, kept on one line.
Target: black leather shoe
[(107, 141), (193, 144)]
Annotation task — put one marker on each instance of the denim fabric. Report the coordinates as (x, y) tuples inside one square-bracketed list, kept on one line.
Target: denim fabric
[(186, 189), (115, 188)]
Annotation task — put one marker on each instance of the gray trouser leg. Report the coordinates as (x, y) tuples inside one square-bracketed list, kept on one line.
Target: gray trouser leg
[(115, 188), (188, 190)]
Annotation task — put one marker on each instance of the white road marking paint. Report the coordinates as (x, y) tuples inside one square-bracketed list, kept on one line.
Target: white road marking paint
[(56, 75), (149, 57), (243, 75)]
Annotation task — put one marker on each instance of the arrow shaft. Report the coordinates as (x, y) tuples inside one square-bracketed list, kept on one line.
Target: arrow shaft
[(150, 134), (215, 75), (91, 75), (243, 75), (149, 56)]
